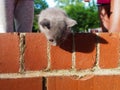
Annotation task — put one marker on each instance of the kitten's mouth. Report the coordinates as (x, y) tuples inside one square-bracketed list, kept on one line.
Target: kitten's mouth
[(60, 40), (56, 42)]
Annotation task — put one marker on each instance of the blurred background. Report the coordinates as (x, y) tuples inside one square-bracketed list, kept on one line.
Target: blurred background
[(85, 13)]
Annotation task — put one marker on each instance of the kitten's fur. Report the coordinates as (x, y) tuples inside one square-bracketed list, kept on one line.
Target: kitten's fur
[(55, 24)]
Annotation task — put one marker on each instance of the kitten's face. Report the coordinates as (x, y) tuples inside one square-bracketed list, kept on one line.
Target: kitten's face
[(55, 31), (55, 24)]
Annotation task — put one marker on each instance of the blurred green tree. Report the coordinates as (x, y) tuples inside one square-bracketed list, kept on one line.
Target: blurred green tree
[(86, 16), (38, 6)]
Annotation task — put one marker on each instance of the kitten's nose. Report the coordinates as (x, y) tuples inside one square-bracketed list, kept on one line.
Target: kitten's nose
[(51, 40)]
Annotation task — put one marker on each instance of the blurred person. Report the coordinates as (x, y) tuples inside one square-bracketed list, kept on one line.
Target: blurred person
[(115, 16), (19, 15), (104, 14), (2, 17)]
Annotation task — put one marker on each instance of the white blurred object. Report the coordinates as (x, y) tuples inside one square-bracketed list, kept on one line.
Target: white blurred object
[(2, 17), (95, 30)]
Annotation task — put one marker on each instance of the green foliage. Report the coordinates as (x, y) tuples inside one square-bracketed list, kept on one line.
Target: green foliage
[(86, 17), (38, 6)]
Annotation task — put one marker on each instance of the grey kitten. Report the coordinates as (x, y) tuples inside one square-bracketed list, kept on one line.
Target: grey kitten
[(55, 24)]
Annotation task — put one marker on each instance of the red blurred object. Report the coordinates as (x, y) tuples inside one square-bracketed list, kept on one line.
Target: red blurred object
[(103, 1), (87, 0)]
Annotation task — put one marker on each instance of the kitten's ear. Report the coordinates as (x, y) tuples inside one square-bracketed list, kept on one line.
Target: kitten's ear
[(45, 23), (70, 22)]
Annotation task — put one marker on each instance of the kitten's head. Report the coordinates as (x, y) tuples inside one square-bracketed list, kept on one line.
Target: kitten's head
[(56, 31)]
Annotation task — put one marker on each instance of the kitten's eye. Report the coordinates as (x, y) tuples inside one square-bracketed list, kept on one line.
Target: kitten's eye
[(45, 23)]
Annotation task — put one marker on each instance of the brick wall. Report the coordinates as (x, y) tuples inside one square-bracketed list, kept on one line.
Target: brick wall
[(82, 62)]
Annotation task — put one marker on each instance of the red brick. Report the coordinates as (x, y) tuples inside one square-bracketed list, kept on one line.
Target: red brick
[(9, 53), (61, 56), (95, 83), (85, 45), (35, 52), (68, 83), (21, 84), (109, 53), (107, 83)]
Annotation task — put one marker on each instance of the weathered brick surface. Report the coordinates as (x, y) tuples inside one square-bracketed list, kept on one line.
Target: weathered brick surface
[(85, 45), (21, 84), (107, 82), (109, 52), (9, 53), (95, 83), (35, 51), (68, 83)]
